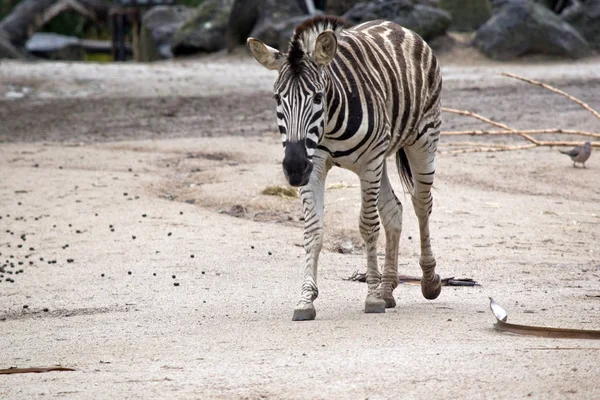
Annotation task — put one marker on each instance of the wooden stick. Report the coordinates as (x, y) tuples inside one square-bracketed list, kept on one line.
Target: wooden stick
[(555, 90), (549, 143), (9, 371), (489, 121), (526, 131), (491, 149)]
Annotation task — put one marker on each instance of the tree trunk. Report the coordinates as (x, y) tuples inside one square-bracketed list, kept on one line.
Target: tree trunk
[(31, 15)]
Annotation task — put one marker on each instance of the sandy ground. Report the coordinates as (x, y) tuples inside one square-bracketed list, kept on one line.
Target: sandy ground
[(119, 181)]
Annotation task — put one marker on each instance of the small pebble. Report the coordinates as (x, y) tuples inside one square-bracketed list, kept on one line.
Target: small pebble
[(70, 260), (270, 253), (102, 275), (143, 215), (125, 194), (176, 284), (169, 234), (129, 272), (25, 306), (173, 276), (46, 310), (154, 274), (180, 212), (192, 256), (252, 247), (133, 237)]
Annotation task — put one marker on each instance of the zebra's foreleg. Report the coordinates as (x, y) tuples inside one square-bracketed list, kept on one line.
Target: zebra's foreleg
[(312, 204), (370, 180), (421, 157), (390, 212)]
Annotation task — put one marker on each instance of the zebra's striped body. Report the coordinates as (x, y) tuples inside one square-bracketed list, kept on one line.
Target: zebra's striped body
[(351, 98)]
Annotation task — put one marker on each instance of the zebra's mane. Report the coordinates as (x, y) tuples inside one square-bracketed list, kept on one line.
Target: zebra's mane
[(305, 35)]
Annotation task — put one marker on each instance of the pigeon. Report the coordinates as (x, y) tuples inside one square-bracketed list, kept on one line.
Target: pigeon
[(579, 154)]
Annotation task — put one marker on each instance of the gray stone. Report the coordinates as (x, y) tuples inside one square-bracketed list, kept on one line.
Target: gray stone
[(205, 30), (467, 15), (425, 20), (585, 18), (277, 21), (242, 19), (159, 25), (339, 7), (523, 27), (7, 50)]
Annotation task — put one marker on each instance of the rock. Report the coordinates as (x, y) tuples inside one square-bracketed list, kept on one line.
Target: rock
[(425, 20), (467, 15), (277, 21), (7, 50), (523, 27), (242, 19), (585, 18), (159, 25), (339, 7), (205, 29), (55, 47)]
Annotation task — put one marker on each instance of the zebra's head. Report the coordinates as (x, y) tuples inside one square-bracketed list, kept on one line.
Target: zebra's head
[(300, 95)]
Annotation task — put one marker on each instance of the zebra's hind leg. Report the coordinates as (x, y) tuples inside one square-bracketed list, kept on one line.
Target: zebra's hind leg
[(390, 212), (312, 204), (421, 158), (370, 178)]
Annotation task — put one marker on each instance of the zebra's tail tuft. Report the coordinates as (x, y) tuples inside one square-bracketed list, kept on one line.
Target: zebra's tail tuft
[(404, 170)]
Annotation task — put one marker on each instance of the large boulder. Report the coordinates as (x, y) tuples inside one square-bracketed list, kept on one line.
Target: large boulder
[(205, 29), (585, 18), (524, 27), (244, 15), (467, 15), (340, 7), (159, 25), (425, 20), (277, 21), (7, 50)]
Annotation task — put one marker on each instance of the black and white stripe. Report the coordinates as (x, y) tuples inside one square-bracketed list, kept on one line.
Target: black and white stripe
[(351, 98)]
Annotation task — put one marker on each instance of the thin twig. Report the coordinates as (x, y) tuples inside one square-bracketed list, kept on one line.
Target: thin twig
[(491, 149), (555, 90), (489, 121), (526, 131)]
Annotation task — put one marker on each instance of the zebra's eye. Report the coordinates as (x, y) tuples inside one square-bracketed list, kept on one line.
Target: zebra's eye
[(277, 98), (318, 98)]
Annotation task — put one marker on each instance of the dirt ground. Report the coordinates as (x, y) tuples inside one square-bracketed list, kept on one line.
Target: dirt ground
[(119, 182)]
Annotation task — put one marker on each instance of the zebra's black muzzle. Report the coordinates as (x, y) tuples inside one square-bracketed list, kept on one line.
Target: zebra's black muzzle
[(296, 165)]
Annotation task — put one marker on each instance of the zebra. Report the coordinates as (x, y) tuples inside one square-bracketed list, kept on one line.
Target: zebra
[(351, 97)]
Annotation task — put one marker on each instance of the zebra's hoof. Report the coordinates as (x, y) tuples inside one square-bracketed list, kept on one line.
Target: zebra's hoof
[(390, 302), (431, 289), (304, 312), (374, 305)]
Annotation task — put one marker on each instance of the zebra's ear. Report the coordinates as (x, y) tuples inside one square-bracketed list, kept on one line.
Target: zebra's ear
[(268, 57), (325, 47)]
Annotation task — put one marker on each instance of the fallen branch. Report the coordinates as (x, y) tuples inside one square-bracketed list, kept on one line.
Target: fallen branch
[(555, 90), (414, 280), (491, 149), (9, 371), (526, 131), (494, 123), (542, 331)]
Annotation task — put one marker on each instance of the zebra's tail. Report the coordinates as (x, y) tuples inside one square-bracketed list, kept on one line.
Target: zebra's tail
[(404, 170)]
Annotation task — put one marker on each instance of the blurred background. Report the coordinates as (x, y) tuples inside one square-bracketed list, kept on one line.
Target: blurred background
[(149, 30)]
